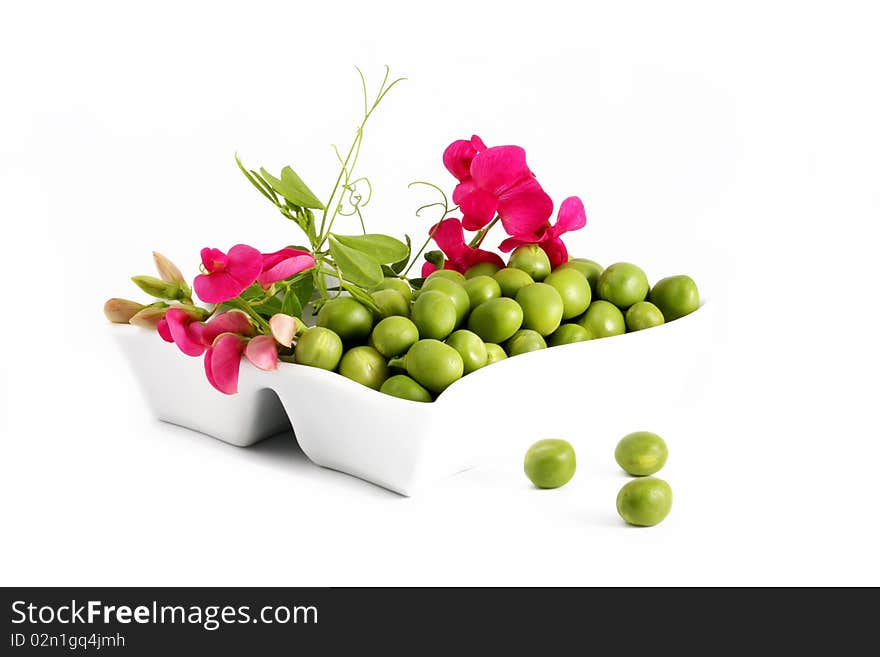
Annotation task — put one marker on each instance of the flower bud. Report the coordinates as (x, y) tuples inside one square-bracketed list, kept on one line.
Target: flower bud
[(120, 311), (168, 271), (197, 313), (158, 288), (149, 317), (285, 328)]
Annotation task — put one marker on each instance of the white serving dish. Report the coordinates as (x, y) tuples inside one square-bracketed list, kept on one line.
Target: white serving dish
[(401, 445)]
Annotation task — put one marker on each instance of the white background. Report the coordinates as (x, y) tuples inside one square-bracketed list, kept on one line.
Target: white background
[(737, 142)]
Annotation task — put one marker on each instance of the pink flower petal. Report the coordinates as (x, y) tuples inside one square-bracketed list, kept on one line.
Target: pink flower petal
[(178, 326), (478, 209), (476, 256), (572, 216), (164, 331), (556, 251), (449, 236), (524, 208), (283, 328), (458, 156), (511, 243), (498, 168), (245, 264), (230, 274), (286, 268), (262, 352), (214, 259), (428, 268), (222, 362), (217, 287), (232, 321)]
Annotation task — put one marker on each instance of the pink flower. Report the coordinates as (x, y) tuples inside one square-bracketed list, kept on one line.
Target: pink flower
[(459, 154), (193, 337), (283, 264), (500, 182), (459, 256), (571, 217), (229, 274), (223, 359)]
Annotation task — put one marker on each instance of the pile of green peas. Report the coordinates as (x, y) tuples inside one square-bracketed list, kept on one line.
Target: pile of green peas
[(422, 341), (643, 502)]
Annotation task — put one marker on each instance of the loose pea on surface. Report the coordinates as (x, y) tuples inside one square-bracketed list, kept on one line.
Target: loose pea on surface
[(482, 269), (471, 349), (318, 347), (393, 336), (641, 453), (550, 463), (346, 317), (390, 302), (400, 385), (542, 307), (574, 290), (434, 314), (675, 296), (454, 291), (568, 334), (364, 365), (449, 274), (481, 289), (603, 319), (510, 280), (590, 269), (532, 259), (642, 315), (494, 353), (398, 284), (644, 502), (623, 284), (496, 320), (524, 341), (433, 364)]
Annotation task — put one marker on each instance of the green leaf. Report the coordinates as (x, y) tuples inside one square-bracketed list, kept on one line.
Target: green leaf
[(253, 180), (304, 196), (387, 271), (303, 288), (292, 188), (436, 258), (384, 249), (401, 264), (416, 283), (357, 267), (361, 295), (291, 304), (271, 307)]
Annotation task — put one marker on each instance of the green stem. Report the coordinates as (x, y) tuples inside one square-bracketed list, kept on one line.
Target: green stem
[(242, 305), (421, 250), (480, 236)]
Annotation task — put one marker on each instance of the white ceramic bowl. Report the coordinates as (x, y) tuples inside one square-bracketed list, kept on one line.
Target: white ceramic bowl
[(403, 445)]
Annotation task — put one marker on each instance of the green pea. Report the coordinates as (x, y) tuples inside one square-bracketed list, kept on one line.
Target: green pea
[(642, 315), (623, 284), (433, 364), (644, 502), (542, 307), (449, 274), (550, 463), (641, 453), (590, 269), (675, 296), (524, 341), (364, 365), (574, 290), (398, 284), (434, 314), (567, 334), (346, 317), (496, 320), (510, 280), (318, 347), (454, 291), (532, 259), (482, 269), (393, 336), (471, 349), (603, 319), (495, 353), (400, 385), (480, 289), (390, 302)]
